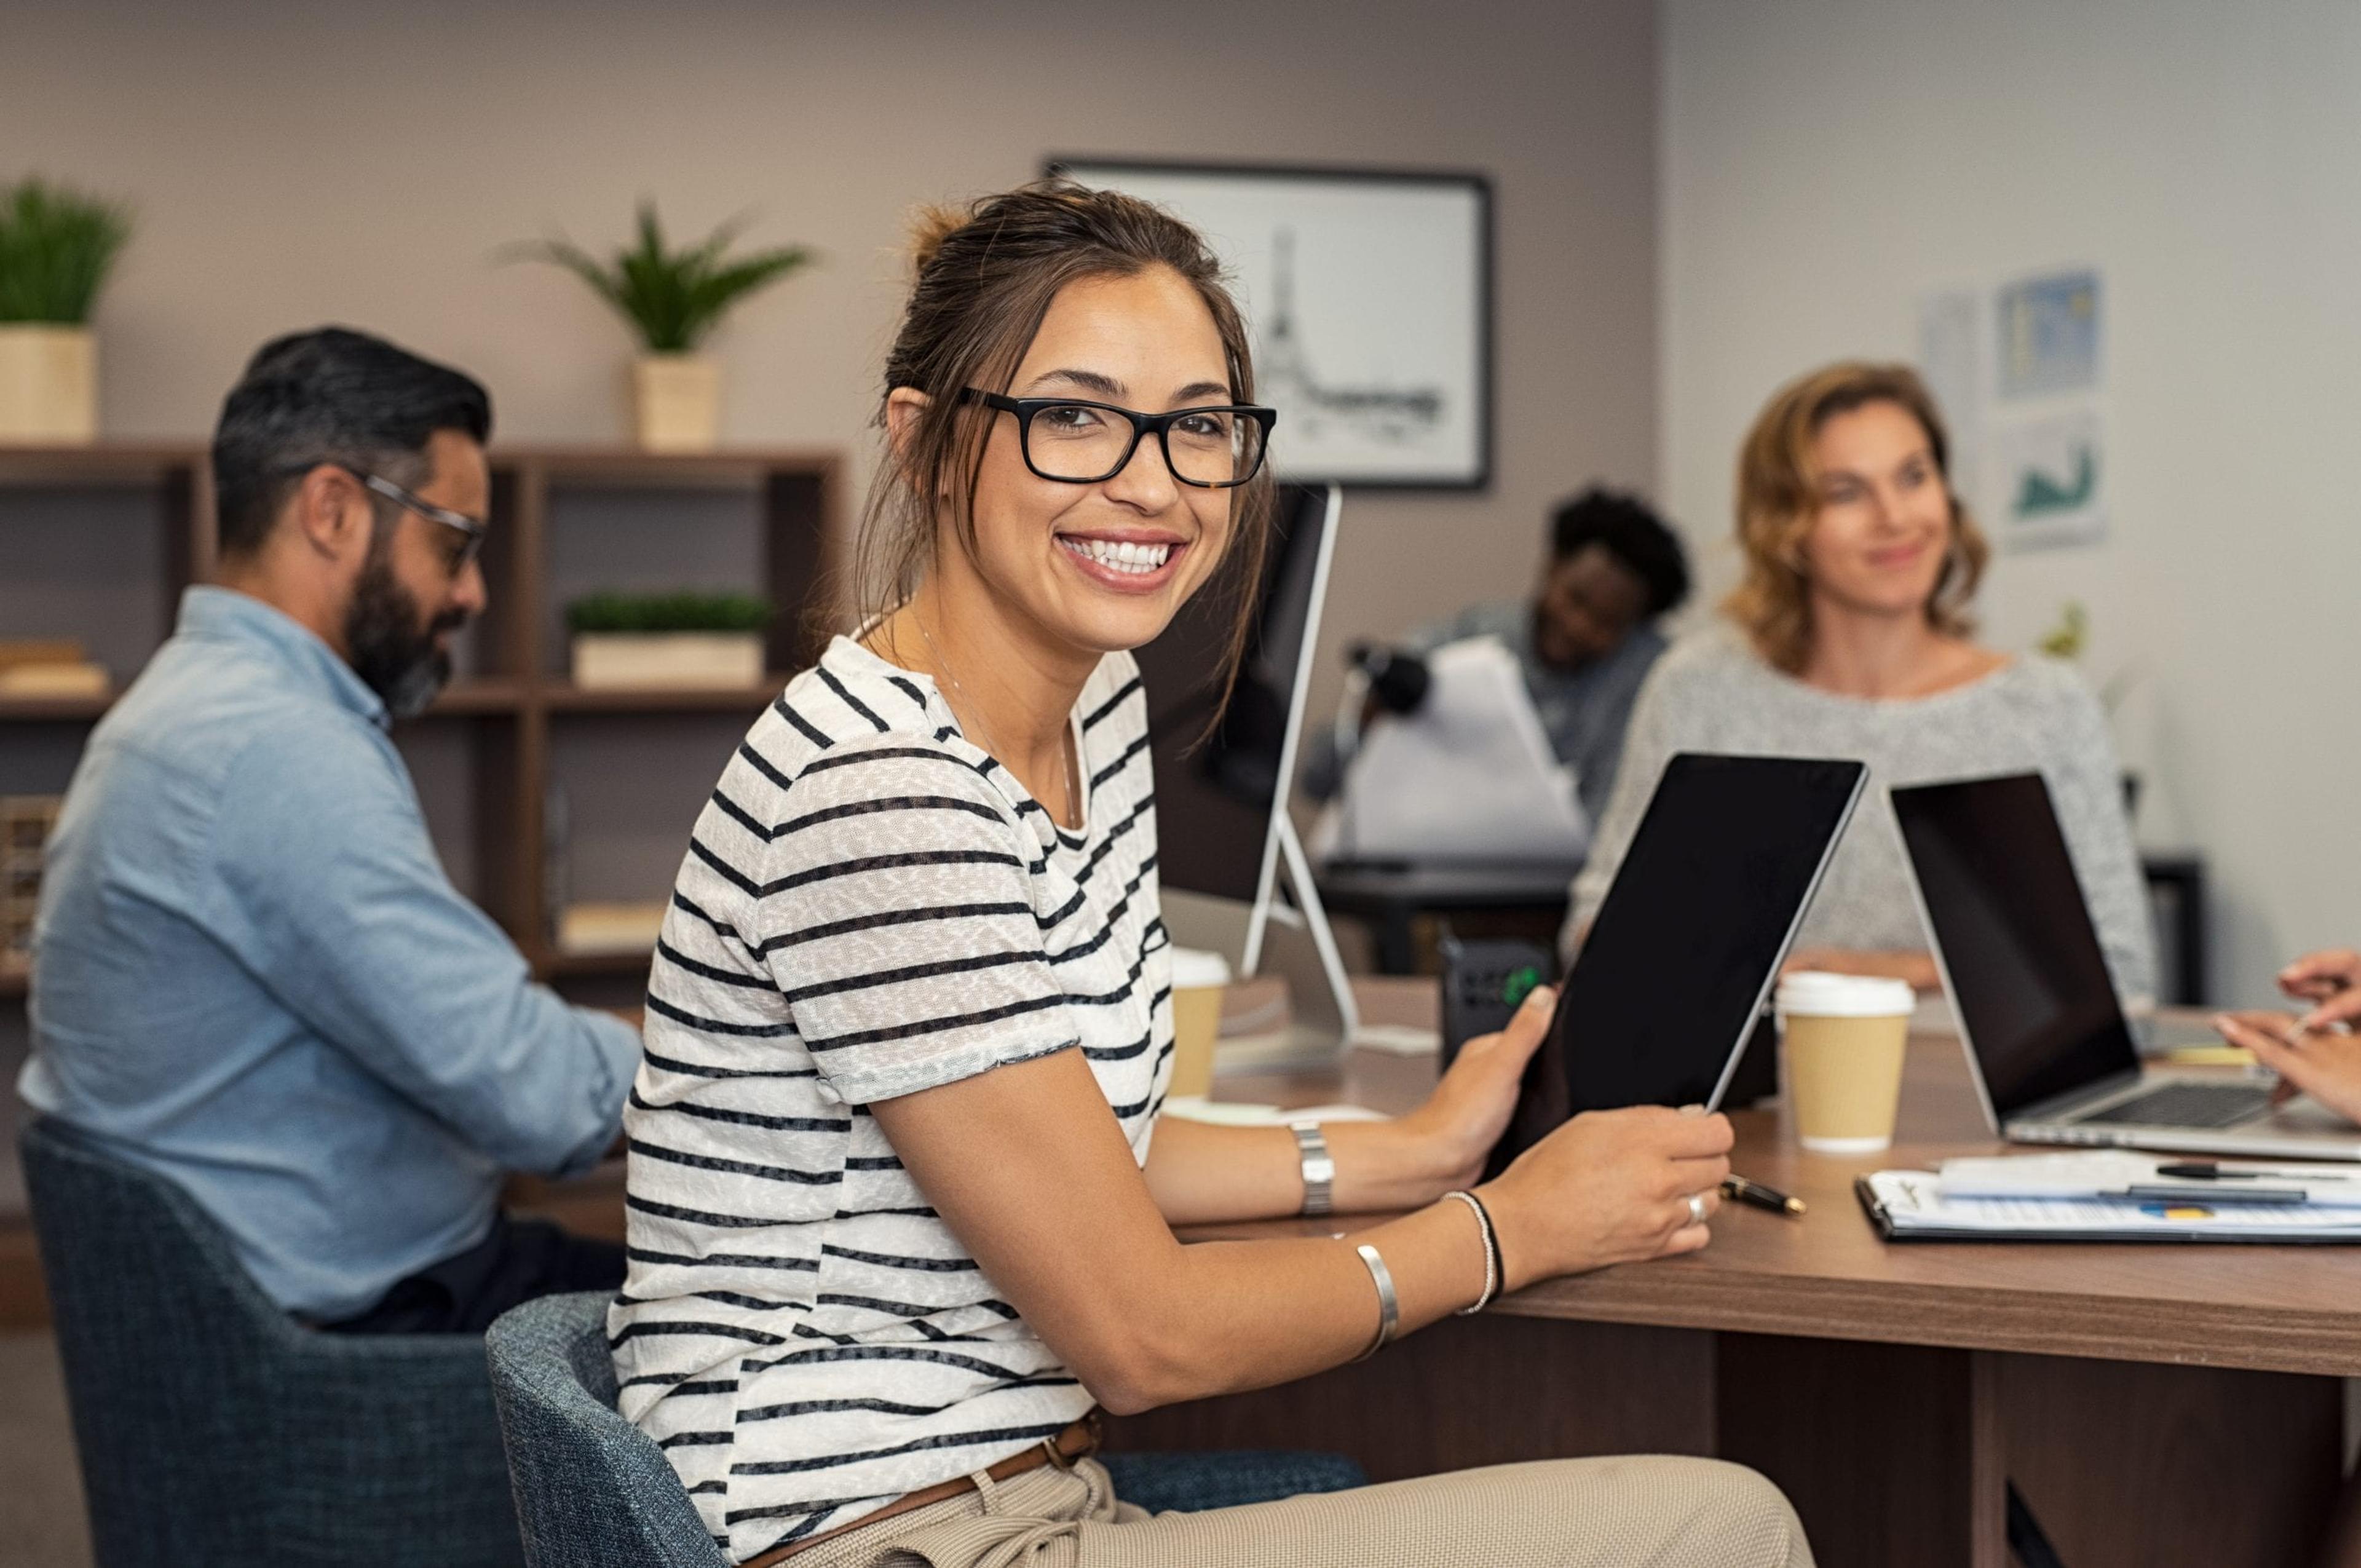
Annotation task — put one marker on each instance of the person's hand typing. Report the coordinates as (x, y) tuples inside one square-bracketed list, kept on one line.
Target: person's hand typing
[(2323, 1063), (2330, 981)]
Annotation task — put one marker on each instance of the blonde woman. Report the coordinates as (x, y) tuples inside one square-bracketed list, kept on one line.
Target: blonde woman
[(1850, 636), (901, 1206)]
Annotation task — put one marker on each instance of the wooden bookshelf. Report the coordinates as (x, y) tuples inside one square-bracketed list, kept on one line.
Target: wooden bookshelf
[(517, 689)]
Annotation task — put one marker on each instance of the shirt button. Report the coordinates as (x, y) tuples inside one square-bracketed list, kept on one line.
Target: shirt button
[(826, 1093)]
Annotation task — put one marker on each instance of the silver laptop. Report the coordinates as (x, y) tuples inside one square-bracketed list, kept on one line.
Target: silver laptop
[(2047, 1044)]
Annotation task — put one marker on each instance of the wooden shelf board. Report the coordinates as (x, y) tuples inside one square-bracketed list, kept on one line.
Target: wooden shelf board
[(136, 461), (556, 963), (566, 698), (490, 694), (127, 463), (729, 468), (53, 709)]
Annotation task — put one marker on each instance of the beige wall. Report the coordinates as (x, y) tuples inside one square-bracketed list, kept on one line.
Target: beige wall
[(297, 164)]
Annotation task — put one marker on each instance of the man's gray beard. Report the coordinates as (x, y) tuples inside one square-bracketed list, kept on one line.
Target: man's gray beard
[(392, 657)]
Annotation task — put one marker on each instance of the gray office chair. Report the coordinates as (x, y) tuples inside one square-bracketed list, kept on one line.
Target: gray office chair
[(214, 1429), (593, 1490)]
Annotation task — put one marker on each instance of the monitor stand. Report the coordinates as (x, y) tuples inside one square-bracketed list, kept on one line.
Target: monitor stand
[(1294, 943)]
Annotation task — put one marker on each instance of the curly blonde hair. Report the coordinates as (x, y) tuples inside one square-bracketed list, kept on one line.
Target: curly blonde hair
[(1778, 501)]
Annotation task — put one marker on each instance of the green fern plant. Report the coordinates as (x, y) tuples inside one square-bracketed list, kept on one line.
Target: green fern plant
[(672, 298), (685, 610), (56, 247)]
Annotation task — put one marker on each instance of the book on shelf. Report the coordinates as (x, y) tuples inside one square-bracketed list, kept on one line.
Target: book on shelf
[(600, 928)]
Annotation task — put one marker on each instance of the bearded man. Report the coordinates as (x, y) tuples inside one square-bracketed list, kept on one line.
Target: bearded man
[(251, 972)]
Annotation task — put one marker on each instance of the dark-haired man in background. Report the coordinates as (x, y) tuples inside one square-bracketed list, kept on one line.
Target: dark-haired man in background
[(1584, 641), (250, 973)]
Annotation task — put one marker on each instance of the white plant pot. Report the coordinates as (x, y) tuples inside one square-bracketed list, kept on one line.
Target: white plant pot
[(612, 660), (48, 385), (676, 398)]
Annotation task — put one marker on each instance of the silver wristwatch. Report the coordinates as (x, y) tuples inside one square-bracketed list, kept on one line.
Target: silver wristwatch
[(1319, 1167)]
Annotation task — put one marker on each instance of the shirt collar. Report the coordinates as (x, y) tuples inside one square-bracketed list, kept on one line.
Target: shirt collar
[(228, 615)]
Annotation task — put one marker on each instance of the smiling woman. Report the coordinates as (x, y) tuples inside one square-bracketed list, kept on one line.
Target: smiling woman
[(901, 1207), (1850, 637)]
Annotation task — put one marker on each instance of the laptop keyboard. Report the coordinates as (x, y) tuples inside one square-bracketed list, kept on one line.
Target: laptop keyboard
[(2186, 1105)]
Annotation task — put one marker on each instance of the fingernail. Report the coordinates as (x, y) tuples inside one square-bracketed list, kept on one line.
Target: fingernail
[(1692, 1110)]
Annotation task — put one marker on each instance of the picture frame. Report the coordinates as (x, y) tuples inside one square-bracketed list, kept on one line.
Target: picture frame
[(1369, 295)]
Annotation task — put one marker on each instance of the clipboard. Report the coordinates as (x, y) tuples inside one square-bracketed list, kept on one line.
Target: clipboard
[(1909, 1206)]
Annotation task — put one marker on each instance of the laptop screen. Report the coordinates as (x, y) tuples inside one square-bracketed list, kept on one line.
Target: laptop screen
[(1688, 940), (2007, 917)]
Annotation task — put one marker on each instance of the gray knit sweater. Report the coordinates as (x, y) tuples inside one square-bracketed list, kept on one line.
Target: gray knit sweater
[(1711, 693)]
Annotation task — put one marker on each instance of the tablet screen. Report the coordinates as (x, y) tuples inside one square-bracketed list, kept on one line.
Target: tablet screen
[(1689, 940)]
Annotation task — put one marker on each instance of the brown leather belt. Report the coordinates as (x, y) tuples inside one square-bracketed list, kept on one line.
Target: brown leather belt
[(1077, 1442)]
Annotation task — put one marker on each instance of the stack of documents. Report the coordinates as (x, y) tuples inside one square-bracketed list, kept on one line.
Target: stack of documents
[(2115, 1195)]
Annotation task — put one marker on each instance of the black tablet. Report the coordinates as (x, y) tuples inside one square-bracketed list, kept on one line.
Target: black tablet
[(1688, 942)]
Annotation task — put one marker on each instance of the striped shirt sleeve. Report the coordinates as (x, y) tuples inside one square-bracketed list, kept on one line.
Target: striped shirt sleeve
[(897, 918)]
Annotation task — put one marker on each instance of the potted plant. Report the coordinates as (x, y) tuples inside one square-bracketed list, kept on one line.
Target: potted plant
[(667, 640), (56, 247), (672, 299)]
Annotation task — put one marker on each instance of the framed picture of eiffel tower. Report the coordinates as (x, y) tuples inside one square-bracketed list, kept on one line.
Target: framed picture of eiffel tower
[(1369, 292)]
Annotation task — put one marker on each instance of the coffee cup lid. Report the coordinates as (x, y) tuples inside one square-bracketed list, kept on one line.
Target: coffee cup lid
[(1194, 968), (1816, 993)]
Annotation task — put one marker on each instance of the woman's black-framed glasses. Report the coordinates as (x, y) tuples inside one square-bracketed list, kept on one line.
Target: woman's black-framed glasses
[(1076, 442), (471, 530)]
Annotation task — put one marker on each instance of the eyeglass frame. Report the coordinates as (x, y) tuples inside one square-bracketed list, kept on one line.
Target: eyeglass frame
[(1026, 408), (475, 530)]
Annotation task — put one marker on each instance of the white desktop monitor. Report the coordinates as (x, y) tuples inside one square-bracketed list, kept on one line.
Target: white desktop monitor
[(1226, 843)]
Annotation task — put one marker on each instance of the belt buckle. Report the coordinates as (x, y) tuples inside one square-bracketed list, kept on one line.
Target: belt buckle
[(1093, 1433)]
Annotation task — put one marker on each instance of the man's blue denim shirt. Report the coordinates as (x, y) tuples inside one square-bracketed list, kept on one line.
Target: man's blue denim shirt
[(251, 975)]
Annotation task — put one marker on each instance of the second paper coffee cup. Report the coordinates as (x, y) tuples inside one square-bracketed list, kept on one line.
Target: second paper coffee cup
[(1844, 1037)]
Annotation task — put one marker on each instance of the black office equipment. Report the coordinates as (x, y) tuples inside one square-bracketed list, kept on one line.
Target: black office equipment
[(1674, 972)]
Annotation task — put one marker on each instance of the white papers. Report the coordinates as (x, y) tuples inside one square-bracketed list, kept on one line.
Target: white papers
[(2122, 1172), (1913, 1205), (1470, 776)]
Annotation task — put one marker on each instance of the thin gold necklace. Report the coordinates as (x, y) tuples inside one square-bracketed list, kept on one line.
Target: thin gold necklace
[(1065, 749)]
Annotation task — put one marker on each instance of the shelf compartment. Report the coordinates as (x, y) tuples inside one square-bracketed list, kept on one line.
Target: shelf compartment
[(564, 696)]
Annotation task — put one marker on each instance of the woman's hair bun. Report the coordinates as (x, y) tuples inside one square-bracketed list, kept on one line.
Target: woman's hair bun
[(930, 226)]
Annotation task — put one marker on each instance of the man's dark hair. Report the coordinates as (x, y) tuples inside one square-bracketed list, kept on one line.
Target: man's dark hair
[(330, 396), (1631, 531)]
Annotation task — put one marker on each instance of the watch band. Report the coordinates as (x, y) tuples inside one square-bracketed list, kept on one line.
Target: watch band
[(1319, 1167)]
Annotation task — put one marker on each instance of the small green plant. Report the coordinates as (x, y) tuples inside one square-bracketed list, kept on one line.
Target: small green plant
[(682, 611), (56, 247), (672, 298), (2070, 635)]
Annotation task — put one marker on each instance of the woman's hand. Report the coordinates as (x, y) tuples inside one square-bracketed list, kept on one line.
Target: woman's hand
[(2324, 1064), (1470, 1108), (1610, 1187), (1919, 968), (2329, 979)]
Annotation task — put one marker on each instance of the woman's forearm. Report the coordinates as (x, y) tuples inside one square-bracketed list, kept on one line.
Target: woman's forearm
[(1241, 1315), (1201, 1174)]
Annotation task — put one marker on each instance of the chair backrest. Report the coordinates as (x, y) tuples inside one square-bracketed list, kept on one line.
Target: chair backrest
[(214, 1429), (592, 1490)]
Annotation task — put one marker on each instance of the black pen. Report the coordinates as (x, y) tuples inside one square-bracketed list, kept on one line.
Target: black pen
[(1762, 1197)]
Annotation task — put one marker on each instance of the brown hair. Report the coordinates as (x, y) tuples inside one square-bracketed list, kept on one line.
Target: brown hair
[(986, 275), (1778, 501)]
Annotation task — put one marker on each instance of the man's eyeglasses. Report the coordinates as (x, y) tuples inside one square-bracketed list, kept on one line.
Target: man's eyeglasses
[(471, 530), (1076, 442)]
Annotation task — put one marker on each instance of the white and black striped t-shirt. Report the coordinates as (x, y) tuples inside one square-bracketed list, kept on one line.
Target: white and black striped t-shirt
[(869, 907)]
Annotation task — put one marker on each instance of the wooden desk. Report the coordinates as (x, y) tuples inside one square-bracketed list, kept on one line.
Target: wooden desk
[(2153, 1404)]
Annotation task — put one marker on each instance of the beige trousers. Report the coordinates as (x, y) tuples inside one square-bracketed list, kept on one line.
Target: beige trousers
[(1647, 1512)]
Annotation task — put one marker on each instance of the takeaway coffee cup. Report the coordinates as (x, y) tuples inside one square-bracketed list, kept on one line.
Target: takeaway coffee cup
[(1844, 1037), (1199, 979)]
